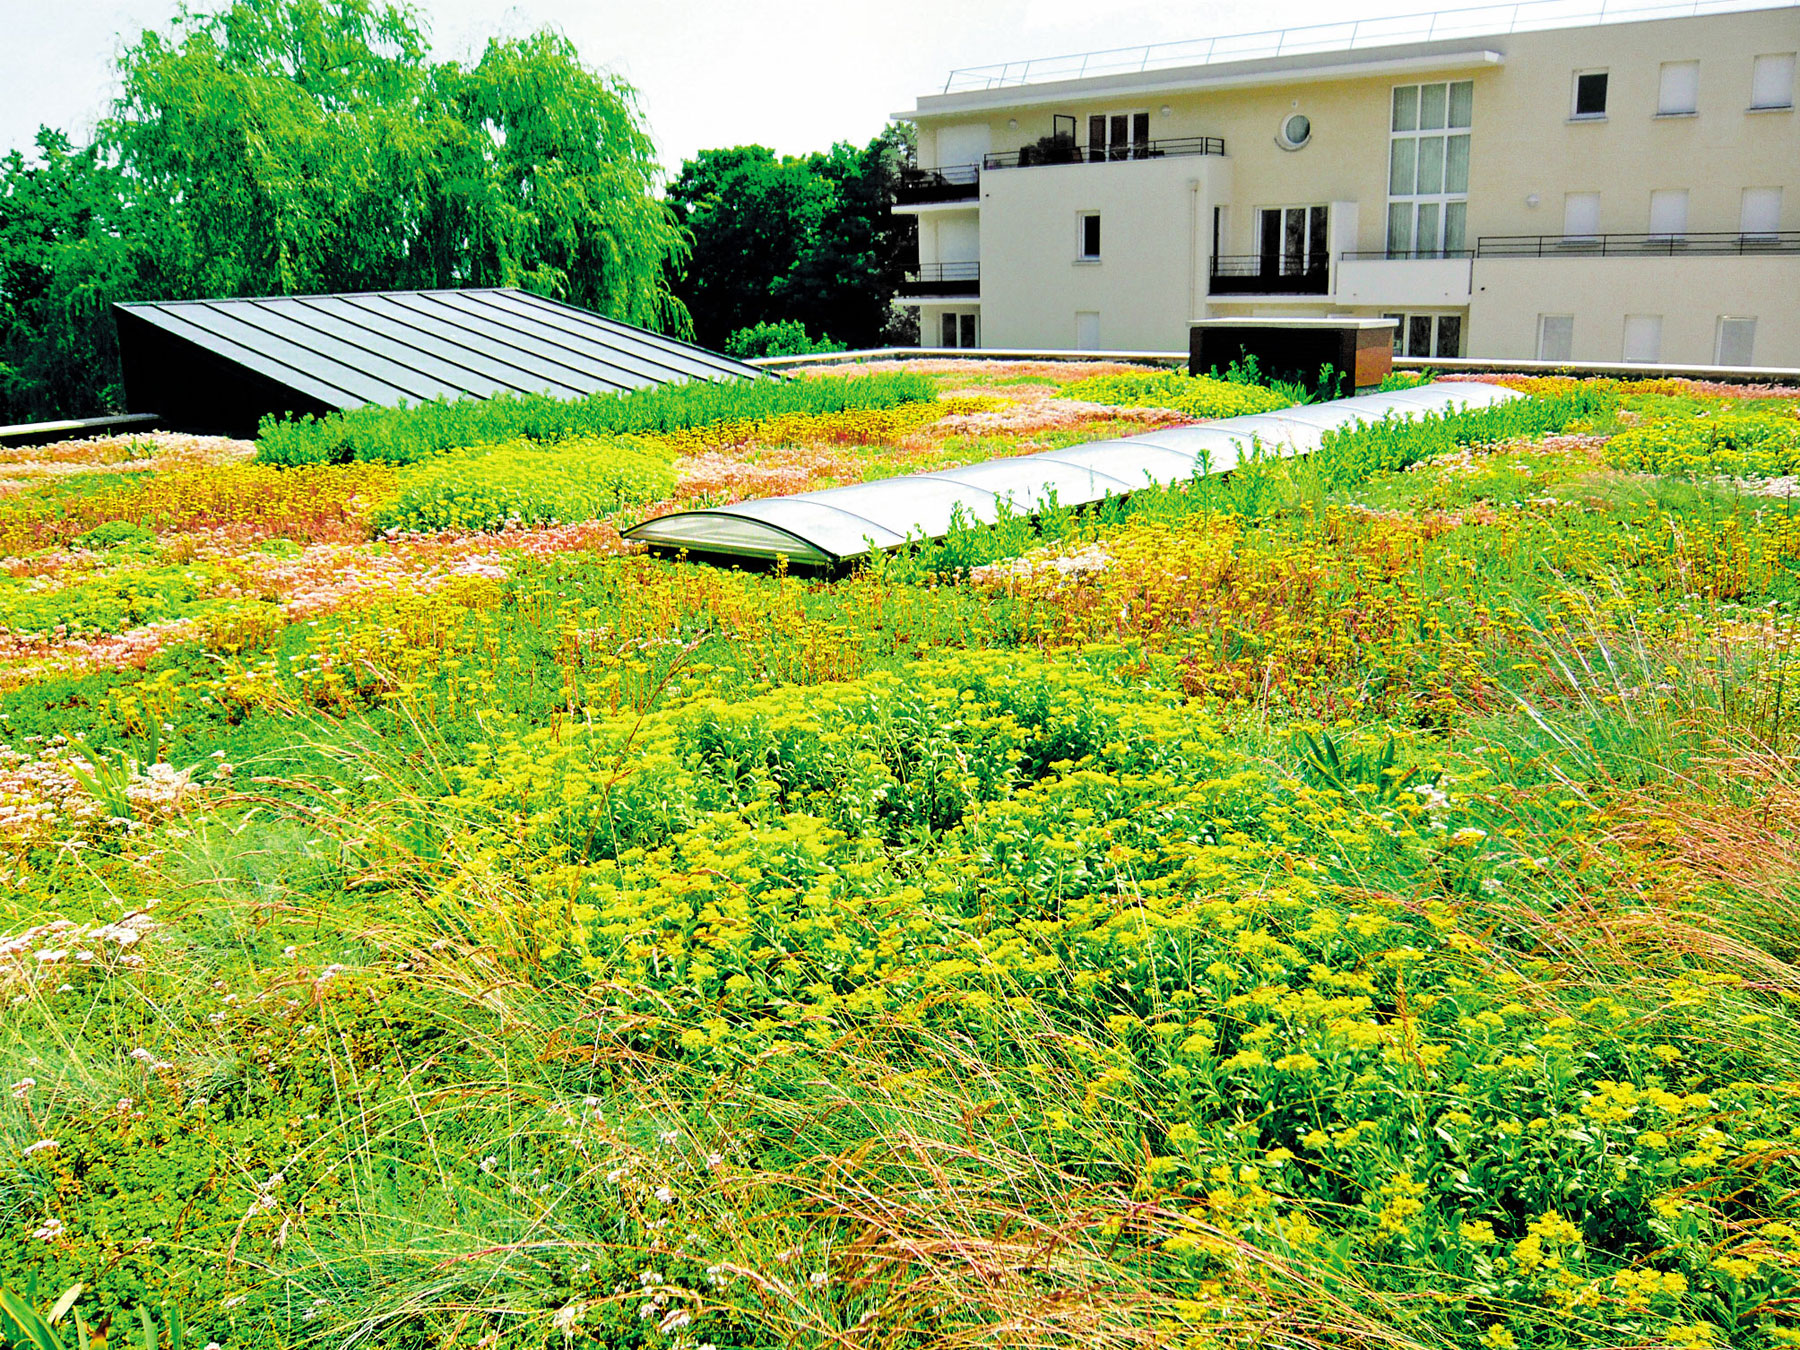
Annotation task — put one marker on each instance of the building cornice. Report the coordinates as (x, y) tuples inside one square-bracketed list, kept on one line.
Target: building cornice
[(1204, 79)]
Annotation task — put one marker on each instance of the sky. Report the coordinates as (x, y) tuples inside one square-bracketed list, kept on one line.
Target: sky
[(795, 75)]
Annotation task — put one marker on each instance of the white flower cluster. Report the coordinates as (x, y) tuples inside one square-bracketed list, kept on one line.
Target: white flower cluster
[(45, 951)]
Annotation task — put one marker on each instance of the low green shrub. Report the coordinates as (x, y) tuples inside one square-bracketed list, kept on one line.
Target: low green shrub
[(409, 434), (1365, 449), (521, 483), (1197, 396), (788, 338), (1345, 459), (1751, 443)]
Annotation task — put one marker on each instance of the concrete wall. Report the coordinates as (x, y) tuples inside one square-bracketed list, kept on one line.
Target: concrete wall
[(1155, 221), (1691, 294)]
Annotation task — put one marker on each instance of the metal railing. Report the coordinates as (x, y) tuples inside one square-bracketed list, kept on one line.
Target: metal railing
[(1406, 255), (947, 278), (1269, 274), (1712, 244), (1351, 35), (1060, 150), (952, 183)]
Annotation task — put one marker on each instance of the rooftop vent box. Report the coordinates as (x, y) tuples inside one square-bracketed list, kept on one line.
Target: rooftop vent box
[(1296, 349), (221, 366)]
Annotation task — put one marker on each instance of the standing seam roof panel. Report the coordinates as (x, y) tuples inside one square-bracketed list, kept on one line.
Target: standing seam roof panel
[(385, 347), (456, 353), (567, 348), (356, 344), (697, 357), (269, 354), (524, 350), (659, 364)]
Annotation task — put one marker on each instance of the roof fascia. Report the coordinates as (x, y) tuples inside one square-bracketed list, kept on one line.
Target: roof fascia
[(1194, 79)]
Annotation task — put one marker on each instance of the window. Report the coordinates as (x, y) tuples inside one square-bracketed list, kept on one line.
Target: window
[(1556, 337), (1118, 136), (1678, 93), (1590, 93), (1427, 334), (957, 330), (1581, 217), (1296, 131), (1087, 331), (1772, 81), (1737, 342), (1087, 236), (1668, 213), (1643, 337), (1292, 239), (1428, 167), (1760, 215)]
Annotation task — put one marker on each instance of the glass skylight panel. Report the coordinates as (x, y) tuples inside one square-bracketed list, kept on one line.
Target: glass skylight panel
[(841, 523)]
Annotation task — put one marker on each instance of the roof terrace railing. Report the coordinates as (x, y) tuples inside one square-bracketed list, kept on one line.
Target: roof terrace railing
[(944, 278), (951, 183), (1062, 150), (1686, 245), (1350, 35)]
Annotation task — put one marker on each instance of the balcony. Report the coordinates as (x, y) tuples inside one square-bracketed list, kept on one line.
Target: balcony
[(1270, 274), (942, 279), (1066, 150), (1717, 244), (924, 187), (1400, 279)]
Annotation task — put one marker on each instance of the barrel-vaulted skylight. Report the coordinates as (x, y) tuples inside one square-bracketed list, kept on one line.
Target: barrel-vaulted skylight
[(826, 528)]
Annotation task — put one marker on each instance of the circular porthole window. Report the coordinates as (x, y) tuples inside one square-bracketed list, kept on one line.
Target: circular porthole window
[(1296, 131)]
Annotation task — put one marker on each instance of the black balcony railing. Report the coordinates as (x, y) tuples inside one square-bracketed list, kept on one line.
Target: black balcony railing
[(1270, 274), (949, 278), (1062, 150), (1705, 245), (954, 183)]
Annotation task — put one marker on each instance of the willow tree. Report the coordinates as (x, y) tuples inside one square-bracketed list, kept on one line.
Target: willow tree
[(305, 145), (295, 146)]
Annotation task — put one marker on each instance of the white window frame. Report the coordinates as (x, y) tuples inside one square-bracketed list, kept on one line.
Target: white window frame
[(1081, 253), (1428, 213), (1544, 321), (1719, 339), (1116, 150), (1663, 97), (1785, 97), (960, 320), (1581, 236), (1575, 79), (1640, 325), (1434, 334), (1749, 229), (1665, 230)]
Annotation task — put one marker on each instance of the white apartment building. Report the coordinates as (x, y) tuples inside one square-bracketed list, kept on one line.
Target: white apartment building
[(1615, 191)]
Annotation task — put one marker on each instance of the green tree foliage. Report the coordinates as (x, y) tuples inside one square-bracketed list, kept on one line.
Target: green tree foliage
[(293, 146), (62, 257), (809, 240), (787, 338)]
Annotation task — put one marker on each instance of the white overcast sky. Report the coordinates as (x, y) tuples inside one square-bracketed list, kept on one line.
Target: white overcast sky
[(796, 75)]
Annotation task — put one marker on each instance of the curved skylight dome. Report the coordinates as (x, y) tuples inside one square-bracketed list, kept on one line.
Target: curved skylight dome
[(823, 529)]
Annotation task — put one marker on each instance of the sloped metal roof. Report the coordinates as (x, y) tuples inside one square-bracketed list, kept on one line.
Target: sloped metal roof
[(389, 347), (826, 528)]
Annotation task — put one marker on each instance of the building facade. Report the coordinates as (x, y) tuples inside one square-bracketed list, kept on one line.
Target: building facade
[(1626, 191)]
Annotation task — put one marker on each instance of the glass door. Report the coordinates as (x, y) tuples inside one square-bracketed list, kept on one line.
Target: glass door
[(1293, 240)]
